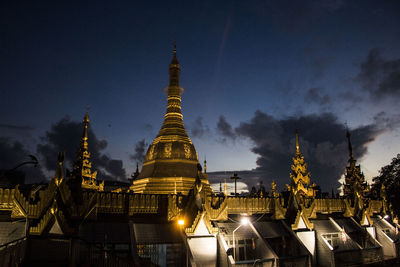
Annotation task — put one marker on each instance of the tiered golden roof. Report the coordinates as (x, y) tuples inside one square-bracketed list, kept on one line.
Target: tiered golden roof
[(171, 163)]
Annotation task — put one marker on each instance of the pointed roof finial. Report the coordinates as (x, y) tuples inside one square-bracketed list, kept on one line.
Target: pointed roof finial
[(297, 143), (59, 176), (205, 165), (349, 142), (86, 121), (225, 188), (174, 47)]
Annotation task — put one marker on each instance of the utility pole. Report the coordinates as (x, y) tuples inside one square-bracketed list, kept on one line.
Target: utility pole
[(235, 177)]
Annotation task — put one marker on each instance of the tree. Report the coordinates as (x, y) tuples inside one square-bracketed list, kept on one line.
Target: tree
[(389, 176)]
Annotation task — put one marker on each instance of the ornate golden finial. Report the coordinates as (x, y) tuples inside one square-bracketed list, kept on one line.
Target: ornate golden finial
[(225, 188), (297, 143), (83, 166), (300, 177), (174, 71), (86, 121), (205, 165), (174, 47), (273, 189)]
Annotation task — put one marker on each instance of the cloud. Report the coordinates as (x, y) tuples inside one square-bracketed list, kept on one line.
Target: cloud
[(322, 142), (199, 129), (139, 154), (16, 127), (380, 77), (65, 135), (13, 153), (241, 187), (314, 95), (225, 129)]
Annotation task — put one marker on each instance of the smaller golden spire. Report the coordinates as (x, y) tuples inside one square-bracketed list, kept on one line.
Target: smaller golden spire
[(225, 188), (297, 143), (205, 165), (83, 166)]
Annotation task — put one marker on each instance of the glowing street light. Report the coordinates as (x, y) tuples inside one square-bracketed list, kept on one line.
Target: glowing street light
[(181, 222), (243, 221)]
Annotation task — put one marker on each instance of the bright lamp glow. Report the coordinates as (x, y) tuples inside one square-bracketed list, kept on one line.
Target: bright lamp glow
[(181, 222), (244, 221), (386, 216)]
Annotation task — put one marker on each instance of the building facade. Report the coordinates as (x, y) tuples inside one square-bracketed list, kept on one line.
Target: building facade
[(169, 215)]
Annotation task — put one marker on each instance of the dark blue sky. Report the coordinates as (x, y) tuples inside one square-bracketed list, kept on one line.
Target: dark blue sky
[(287, 59)]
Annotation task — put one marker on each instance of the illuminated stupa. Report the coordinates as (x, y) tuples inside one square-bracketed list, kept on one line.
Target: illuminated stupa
[(171, 164)]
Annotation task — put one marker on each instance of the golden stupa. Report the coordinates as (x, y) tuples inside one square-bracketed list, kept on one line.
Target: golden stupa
[(171, 164)]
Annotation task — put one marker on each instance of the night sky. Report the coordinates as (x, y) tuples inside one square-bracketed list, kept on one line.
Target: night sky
[(253, 72)]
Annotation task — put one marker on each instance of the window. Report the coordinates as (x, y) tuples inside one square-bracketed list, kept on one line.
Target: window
[(386, 231), (333, 239)]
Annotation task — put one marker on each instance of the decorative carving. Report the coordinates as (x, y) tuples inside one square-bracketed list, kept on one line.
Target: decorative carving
[(167, 150), (188, 153)]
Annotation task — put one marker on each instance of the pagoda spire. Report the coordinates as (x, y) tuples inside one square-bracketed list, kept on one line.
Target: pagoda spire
[(59, 175), (173, 128), (349, 144), (355, 184), (172, 153), (82, 165), (300, 176)]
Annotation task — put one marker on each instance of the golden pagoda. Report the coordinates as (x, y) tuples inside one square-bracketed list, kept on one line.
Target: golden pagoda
[(171, 162), (83, 166)]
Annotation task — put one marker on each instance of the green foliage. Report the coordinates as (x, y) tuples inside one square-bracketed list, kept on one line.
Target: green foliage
[(389, 175)]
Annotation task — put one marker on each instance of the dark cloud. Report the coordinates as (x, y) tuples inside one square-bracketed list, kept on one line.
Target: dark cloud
[(225, 129), (322, 142), (65, 135), (314, 95), (16, 127), (13, 153), (199, 129), (380, 77), (388, 121), (139, 154)]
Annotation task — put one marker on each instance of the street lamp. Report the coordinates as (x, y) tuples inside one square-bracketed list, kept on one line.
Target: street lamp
[(181, 223), (243, 221)]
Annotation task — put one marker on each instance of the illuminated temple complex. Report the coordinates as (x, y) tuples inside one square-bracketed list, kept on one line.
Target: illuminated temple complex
[(168, 215)]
